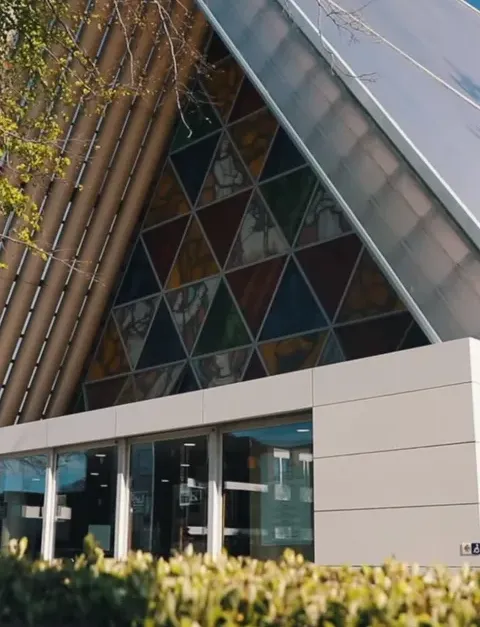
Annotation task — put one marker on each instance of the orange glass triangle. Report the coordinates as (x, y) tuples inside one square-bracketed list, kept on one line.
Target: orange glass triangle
[(168, 201), (252, 137), (195, 260)]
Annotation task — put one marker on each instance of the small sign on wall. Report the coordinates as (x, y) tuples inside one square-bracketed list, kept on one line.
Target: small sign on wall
[(468, 549)]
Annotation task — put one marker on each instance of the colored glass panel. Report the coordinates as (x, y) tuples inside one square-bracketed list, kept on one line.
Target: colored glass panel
[(104, 393), (157, 382), (134, 322), (195, 260), (373, 337), (283, 156), (139, 280), (162, 244), (288, 198), (294, 309), (324, 219), (328, 267), (414, 338), (192, 164), (221, 369), (168, 201), (199, 119), (252, 137), (369, 293), (220, 223), (189, 307), (255, 369), (253, 288), (224, 328), (222, 85), (187, 381), (227, 175), (163, 345), (295, 353), (332, 353), (127, 395), (216, 49), (248, 101), (258, 237), (110, 358)]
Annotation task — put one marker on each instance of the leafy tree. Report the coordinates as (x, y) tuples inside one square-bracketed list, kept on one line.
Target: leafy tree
[(46, 75)]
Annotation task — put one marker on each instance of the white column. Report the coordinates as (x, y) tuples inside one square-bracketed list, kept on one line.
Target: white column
[(122, 510), (49, 508), (215, 514)]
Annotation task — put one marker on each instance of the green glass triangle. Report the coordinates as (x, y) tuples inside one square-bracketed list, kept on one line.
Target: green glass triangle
[(199, 119), (224, 328), (288, 198)]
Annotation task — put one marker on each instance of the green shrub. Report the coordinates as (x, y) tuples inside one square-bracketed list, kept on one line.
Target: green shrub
[(193, 590)]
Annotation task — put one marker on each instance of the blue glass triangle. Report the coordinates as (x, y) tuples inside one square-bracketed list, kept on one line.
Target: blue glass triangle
[(294, 309), (163, 345), (139, 280)]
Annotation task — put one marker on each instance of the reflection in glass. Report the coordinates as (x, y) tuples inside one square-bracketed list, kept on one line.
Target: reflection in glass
[(168, 502), (22, 490), (86, 490), (268, 487)]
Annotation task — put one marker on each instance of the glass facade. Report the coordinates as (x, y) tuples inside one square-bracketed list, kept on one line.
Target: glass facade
[(85, 501), (169, 496), (268, 490), (245, 265), (22, 492), (252, 494)]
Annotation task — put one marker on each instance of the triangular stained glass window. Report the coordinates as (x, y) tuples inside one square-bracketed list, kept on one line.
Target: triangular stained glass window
[(227, 174), (294, 309), (324, 219), (127, 395), (104, 393), (373, 337), (195, 260), (162, 244), (295, 353), (222, 368), (255, 369), (224, 328), (369, 293), (217, 51), (253, 288), (169, 200), (288, 198), (157, 382), (414, 338), (163, 344), (220, 223), (199, 120), (284, 156), (139, 280), (253, 137), (134, 321), (248, 101), (187, 382), (189, 306), (258, 238), (192, 164), (110, 358), (329, 267), (223, 84), (332, 353)]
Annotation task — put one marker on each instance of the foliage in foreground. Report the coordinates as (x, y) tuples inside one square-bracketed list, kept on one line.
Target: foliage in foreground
[(193, 590)]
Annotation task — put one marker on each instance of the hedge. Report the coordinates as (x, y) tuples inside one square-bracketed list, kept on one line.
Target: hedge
[(194, 590)]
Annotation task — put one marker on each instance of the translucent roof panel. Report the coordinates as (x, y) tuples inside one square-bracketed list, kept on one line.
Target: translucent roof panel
[(444, 37)]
